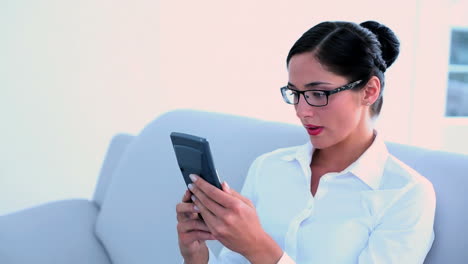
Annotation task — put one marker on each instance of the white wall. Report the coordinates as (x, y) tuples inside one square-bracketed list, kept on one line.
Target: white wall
[(429, 126), (73, 73), (236, 50)]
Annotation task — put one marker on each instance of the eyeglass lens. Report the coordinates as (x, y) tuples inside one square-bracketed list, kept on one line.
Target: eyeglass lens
[(317, 98)]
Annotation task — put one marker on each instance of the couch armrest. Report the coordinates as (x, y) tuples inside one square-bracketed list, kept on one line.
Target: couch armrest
[(116, 148), (58, 232)]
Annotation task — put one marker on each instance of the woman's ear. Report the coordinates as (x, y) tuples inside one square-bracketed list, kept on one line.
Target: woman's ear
[(371, 91)]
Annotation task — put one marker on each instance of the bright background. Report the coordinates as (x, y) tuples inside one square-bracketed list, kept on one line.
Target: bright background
[(74, 73)]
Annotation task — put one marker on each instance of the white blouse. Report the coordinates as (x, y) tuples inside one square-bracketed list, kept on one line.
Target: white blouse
[(378, 210)]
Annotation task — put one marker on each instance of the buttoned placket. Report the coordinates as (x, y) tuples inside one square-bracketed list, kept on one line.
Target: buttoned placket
[(304, 159), (293, 229)]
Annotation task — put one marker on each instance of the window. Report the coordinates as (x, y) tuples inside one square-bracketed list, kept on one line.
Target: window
[(457, 93)]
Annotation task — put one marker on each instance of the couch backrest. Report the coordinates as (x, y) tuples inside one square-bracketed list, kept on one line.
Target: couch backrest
[(448, 172), (137, 220)]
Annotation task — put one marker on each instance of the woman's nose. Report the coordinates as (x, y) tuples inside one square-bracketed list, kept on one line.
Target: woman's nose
[(303, 109)]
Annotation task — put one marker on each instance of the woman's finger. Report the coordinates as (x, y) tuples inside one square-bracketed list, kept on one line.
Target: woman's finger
[(207, 201), (244, 199), (207, 194), (186, 197), (209, 218), (186, 211), (192, 225), (217, 195), (186, 208), (190, 237)]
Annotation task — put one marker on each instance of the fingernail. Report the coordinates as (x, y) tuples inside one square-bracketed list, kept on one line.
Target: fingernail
[(227, 186), (196, 208), (193, 198), (193, 177), (190, 186)]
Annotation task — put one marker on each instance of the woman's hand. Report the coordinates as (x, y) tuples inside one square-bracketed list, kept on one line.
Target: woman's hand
[(192, 232), (232, 219)]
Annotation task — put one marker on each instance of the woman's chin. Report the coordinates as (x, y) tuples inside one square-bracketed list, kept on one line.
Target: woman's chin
[(318, 143)]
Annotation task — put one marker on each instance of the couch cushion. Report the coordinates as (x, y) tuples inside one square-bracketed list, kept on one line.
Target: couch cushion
[(137, 223), (58, 232)]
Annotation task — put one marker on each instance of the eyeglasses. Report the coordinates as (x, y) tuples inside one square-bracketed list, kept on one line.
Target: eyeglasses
[(313, 97)]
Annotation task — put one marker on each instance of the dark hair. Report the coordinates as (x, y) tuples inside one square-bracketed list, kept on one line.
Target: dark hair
[(354, 51)]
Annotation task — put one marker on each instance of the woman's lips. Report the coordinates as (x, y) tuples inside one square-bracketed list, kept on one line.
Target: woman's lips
[(314, 130)]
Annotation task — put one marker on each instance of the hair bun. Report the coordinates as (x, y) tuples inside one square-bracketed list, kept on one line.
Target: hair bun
[(390, 44)]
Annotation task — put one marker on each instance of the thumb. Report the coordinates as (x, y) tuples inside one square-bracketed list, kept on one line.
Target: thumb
[(232, 192)]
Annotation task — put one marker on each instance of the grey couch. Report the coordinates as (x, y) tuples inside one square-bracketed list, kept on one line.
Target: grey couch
[(131, 218)]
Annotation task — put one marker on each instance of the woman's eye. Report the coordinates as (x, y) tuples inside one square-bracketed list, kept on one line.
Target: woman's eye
[(318, 94)]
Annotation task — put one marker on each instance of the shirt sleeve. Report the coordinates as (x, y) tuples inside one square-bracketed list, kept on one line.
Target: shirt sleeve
[(227, 256), (404, 233), (285, 259)]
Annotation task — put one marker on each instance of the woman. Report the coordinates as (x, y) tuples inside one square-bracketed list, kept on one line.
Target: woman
[(340, 198)]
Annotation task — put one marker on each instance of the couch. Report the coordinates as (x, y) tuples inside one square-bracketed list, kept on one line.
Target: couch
[(131, 218)]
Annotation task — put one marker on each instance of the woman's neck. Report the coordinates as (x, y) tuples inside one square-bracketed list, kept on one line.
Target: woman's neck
[(338, 157)]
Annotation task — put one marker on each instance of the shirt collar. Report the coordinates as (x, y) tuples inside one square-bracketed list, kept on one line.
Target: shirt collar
[(368, 167), (303, 154)]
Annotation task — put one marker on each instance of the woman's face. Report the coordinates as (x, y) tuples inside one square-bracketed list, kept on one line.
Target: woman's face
[(343, 119)]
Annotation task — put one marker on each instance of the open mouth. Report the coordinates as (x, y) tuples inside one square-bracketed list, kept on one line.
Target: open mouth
[(314, 130)]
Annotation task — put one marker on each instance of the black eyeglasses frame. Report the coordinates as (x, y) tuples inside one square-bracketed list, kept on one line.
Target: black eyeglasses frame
[(327, 93)]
